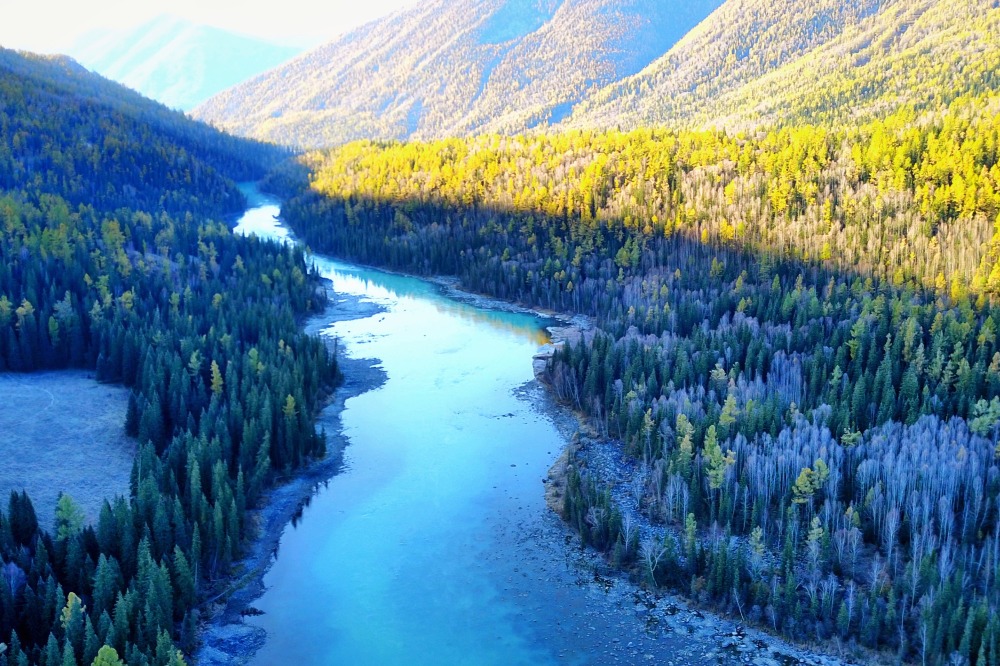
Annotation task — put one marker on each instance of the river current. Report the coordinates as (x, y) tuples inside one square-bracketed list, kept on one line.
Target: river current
[(433, 545)]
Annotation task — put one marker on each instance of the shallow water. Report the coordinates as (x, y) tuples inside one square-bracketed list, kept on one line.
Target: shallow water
[(393, 562), (434, 544)]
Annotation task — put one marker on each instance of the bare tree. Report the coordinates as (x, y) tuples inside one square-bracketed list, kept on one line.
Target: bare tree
[(875, 577), (652, 553), (739, 603), (854, 542), (629, 529), (924, 637), (851, 599), (828, 592), (595, 518), (638, 483), (840, 546), (890, 528), (946, 563), (14, 577)]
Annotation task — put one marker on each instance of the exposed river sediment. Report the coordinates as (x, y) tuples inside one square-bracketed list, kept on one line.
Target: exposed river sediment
[(432, 542)]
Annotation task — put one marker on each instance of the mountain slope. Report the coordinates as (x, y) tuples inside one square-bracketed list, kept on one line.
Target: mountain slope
[(177, 62), (455, 68), (757, 62), (100, 143)]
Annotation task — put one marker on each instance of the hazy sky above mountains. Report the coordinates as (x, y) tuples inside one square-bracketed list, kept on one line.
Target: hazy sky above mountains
[(52, 26)]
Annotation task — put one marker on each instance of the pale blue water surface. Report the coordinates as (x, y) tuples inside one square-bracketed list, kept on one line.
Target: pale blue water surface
[(433, 545)]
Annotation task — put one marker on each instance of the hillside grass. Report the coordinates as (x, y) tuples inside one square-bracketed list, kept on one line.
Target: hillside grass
[(63, 432)]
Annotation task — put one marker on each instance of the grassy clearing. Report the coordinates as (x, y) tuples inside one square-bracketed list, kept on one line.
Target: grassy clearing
[(63, 432)]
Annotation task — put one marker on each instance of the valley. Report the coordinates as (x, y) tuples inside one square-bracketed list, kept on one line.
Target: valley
[(448, 498), (341, 431), (766, 310)]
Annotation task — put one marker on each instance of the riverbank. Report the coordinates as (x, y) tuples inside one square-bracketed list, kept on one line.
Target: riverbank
[(620, 624), (224, 637), (707, 638), (655, 626), (713, 638), (563, 328), (508, 557)]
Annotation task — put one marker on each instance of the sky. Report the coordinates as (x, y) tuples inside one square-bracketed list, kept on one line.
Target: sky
[(52, 26)]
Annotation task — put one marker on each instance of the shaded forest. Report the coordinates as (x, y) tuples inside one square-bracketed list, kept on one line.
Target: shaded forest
[(115, 258), (796, 347)]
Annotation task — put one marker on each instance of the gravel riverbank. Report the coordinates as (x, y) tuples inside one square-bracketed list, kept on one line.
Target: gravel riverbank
[(618, 623), (675, 631)]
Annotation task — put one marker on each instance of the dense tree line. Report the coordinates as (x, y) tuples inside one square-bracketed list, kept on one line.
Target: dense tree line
[(62, 125), (100, 269), (907, 199), (796, 347)]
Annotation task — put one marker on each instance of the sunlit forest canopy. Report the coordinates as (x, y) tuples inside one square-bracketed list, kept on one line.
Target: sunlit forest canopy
[(796, 344), (762, 63), (911, 199)]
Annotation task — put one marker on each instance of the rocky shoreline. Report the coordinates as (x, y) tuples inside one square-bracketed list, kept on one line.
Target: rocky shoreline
[(708, 638), (656, 627)]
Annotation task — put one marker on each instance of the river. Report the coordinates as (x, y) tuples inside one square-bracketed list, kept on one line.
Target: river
[(433, 544)]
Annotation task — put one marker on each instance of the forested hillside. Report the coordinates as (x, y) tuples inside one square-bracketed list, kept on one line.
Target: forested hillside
[(492, 66), (116, 134), (796, 346), (452, 68), (115, 258), (177, 62), (757, 63)]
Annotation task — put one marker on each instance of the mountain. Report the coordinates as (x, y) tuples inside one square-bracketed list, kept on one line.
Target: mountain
[(177, 62), (447, 67), (762, 62), (100, 143)]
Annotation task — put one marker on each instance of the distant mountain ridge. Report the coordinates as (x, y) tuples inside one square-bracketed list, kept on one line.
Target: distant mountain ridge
[(449, 67), (509, 66), (178, 62)]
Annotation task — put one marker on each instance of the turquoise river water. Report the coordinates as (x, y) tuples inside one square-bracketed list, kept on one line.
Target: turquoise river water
[(433, 545)]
